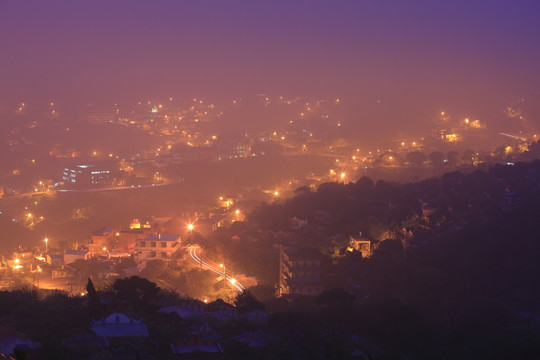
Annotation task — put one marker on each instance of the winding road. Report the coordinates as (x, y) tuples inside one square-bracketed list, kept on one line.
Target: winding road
[(212, 266)]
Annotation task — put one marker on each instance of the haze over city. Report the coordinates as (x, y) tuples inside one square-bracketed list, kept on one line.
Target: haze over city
[(417, 58), (269, 179)]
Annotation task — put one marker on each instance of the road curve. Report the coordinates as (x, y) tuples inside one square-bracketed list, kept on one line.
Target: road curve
[(209, 265)]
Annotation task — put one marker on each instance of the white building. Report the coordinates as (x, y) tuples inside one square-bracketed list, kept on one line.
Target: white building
[(71, 256), (87, 175), (156, 247)]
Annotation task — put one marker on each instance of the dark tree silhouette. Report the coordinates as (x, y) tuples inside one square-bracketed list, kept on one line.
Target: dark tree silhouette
[(138, 296), (365, 184), (245, 302), (436, 158), (453, 158), (95, 307), (416, 158), (335, 299)]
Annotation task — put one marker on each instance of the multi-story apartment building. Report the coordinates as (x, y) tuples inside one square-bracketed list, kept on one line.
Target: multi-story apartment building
[(156, 247), (300, 272)]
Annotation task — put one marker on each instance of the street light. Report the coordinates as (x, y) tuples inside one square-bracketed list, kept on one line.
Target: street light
[(237, 212), (224, 271), (224, 274), (46, 244), (17, 264)]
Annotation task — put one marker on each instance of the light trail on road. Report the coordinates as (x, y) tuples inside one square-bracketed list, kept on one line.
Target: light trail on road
[(216, 269), (132, 187)]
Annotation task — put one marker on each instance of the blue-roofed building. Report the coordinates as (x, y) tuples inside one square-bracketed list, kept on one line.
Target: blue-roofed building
[(118, 325), (156, 247)]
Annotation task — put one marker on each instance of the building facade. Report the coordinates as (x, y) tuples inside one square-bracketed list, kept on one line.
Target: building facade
[(87, 175), (300, 272), (156, 247)]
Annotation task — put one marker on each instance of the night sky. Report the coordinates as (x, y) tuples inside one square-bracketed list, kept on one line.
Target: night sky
[(416, 56)]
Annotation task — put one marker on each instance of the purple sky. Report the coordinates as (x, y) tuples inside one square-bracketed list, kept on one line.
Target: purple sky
[(478, 55)]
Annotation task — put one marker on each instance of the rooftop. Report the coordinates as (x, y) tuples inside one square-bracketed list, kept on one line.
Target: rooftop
[(162, 238), (76, 252), (119, 325)]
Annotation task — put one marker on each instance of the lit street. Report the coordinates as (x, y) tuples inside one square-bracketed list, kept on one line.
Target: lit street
[(210, 265)]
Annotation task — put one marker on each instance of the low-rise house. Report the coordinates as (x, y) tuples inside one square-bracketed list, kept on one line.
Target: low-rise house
[(128, 337), (255, 338), (223, 314), (64, 271), (128, 351), (127, 239), (118, 325), (207, 225), (102, 240), (55, 260), (197, 347), (185, 311), (258, 316), (71, 256), (360, 244), (85, 341)]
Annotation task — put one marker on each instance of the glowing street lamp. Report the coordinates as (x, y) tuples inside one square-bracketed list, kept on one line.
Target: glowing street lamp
[(46, 244), (237, 212), (190, 227), (17, 264)]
